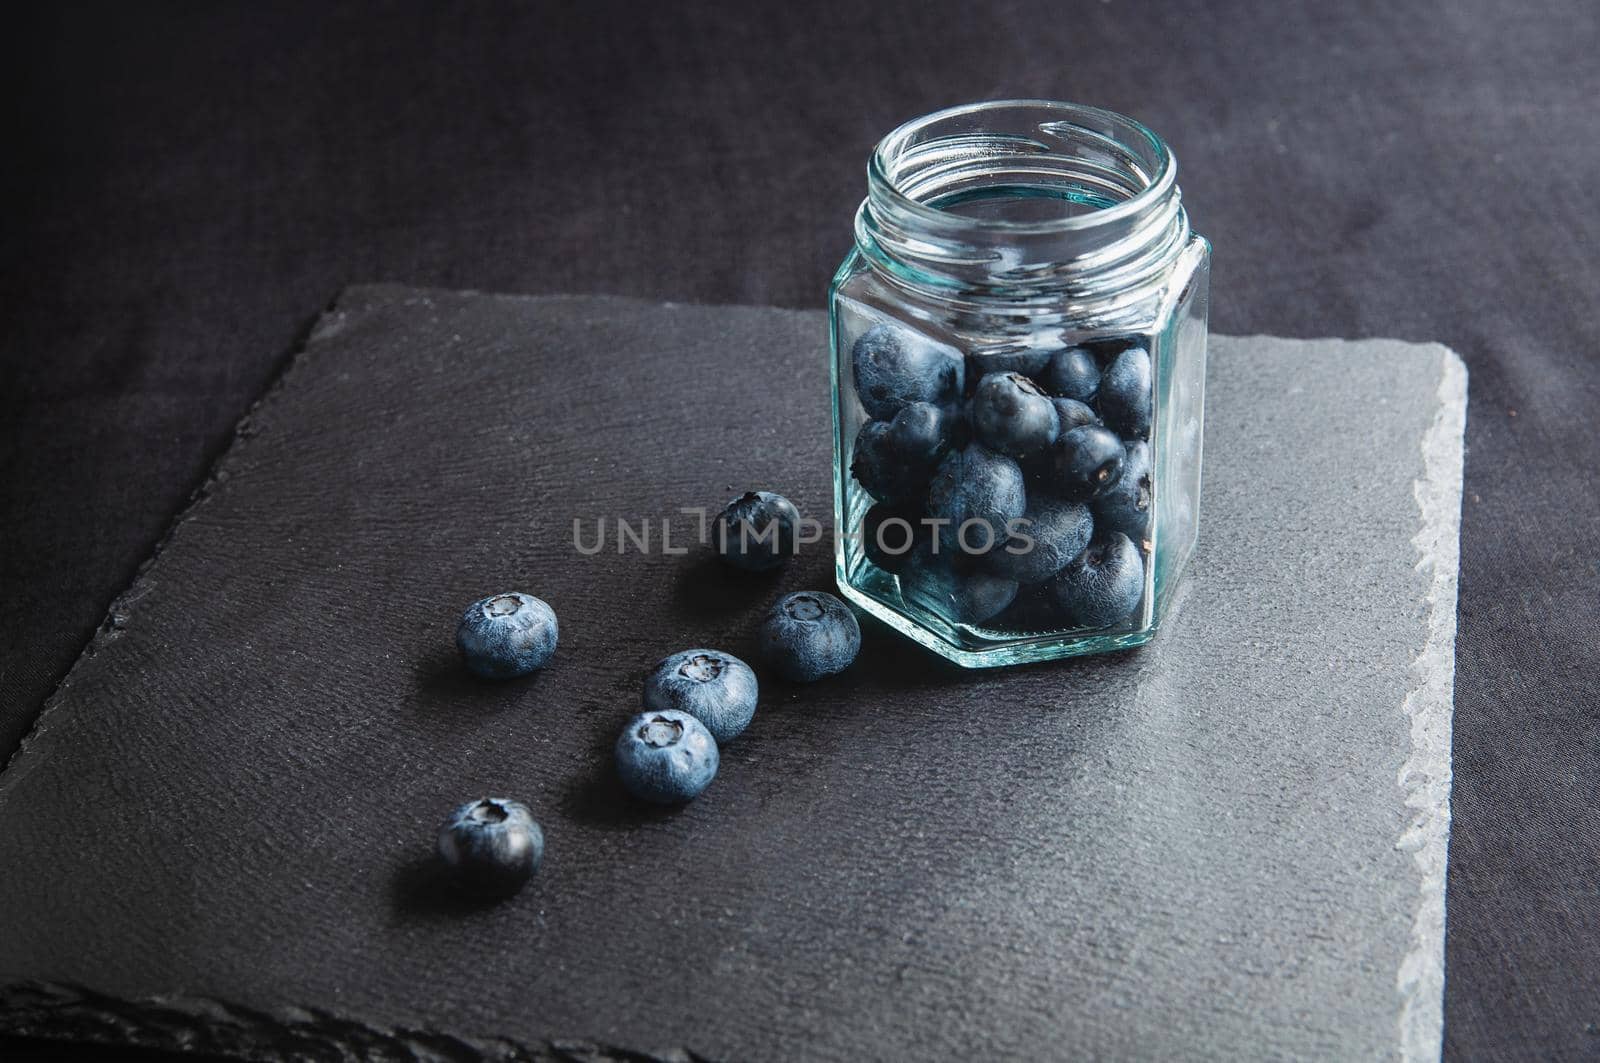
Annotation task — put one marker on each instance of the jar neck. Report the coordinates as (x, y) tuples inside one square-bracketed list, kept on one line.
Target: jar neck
[(1023, 201)]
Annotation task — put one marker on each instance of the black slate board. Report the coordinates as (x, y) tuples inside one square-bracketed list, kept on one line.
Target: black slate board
[(1229, 843)]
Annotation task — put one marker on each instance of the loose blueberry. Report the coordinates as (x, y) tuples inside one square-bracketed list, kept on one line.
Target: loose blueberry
[(890, 533), (1011, 415), (895, 366), (757, 531), (976, 485), (1125, 507), (1073, 374), (715, 688), (1102, 585), (491, 845), (1088, 461), (955, 588), (666, 757), (507, 635), (809, 635), (1125, 393), (1055, 532)]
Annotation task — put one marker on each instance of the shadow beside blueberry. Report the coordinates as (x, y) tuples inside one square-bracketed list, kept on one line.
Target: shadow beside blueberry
[(441, 675), (596, 799), (425, 889), (706, 586)]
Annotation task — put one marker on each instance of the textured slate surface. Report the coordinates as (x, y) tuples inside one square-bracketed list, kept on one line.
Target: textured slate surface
[(1228, 844)]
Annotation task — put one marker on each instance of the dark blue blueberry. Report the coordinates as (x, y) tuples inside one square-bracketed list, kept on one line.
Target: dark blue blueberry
[(507, 635), (890, 533), (757, 531), (952, 586), (1073, 373), (1088, 462), (1125, 507), (1125, 395), (491, 845), (1073, 414), (1011, 415), (1102, 585), (1051, 533), (878, 469), (666, 756), (920, 433), (715, 688), (1040, 469), (895, 459), (895, 366), (809, 635), (976, 485), (1029, 361)]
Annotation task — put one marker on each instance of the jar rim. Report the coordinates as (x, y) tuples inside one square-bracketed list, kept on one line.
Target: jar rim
[(1159, 183)]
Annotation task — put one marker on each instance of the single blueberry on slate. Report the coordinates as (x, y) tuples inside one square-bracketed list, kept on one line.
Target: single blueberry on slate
[(1088, 461), (1057, 530), (1073, 373), (1102, 585), (1011, 415), (1125, 396), (491, 845), (976, 484), (895, 366), (955, 588), (715, 688), (507, 635), (757, 531), (1125, 507), (809, 635), (889, 534), (666, 757)]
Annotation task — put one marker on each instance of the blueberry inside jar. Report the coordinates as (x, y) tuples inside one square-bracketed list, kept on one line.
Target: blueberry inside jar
[(1019, 344)]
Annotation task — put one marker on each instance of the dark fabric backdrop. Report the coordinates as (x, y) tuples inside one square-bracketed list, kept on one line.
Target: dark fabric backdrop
[(187, 184)]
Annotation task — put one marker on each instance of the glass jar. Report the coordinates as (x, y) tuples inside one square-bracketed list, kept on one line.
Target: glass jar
[(1019, 347)]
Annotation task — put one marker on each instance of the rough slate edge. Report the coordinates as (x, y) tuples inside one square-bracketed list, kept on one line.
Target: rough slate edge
[(201, 1024), (1425, 775), (328, 323)]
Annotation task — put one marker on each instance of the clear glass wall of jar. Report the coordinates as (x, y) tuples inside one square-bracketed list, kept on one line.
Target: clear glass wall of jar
[(1019, 344)]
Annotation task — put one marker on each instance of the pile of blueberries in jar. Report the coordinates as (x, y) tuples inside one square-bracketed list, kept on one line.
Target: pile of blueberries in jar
[(694, 700), (1012, 489)]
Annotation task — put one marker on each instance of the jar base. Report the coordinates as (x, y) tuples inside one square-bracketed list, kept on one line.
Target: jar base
[(969, 648)]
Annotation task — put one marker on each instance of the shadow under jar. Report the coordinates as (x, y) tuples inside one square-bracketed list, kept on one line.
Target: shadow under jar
[(1019, 345)]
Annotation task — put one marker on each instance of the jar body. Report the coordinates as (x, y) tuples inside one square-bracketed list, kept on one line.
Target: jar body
[(1017, 472)]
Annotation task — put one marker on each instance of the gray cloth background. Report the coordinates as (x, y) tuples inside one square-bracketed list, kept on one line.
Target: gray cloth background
[(1229, 845), (187, 183)]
